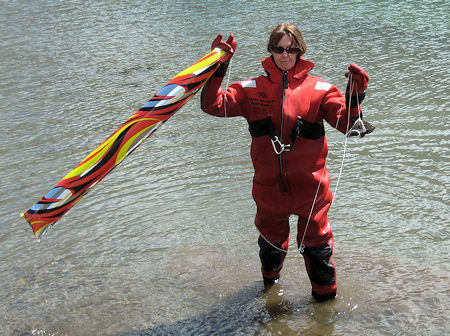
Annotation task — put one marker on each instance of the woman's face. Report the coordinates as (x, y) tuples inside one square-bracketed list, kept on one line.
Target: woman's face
[(285, 61)]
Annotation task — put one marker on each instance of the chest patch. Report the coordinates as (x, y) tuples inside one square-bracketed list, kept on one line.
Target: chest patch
[(249, 83), (322, 86)]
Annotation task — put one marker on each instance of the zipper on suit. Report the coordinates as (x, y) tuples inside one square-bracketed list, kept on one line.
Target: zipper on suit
[(280, 156)]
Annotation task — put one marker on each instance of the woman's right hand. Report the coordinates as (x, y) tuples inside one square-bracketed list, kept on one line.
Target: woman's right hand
[(229, 46)]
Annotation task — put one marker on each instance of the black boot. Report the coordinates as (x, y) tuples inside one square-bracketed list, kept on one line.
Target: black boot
[(324, 297), (271, 281)]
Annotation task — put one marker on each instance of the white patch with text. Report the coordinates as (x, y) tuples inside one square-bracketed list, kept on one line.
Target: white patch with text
[(249, 83), (322, 86)]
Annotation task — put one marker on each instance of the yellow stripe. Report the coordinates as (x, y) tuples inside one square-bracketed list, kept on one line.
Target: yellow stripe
[(38, 232), (100, 151), (209, 59), (124, 149)]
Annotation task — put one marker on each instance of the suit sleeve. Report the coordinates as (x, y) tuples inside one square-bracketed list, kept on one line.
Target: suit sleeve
[(223, 103), (336, 112)]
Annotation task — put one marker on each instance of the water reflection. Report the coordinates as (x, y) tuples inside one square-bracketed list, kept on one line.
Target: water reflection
[(279, 310), (236, 315), (253, 310), (258, 310)]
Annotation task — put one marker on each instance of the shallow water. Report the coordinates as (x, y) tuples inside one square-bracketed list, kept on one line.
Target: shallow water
[(165, 245)]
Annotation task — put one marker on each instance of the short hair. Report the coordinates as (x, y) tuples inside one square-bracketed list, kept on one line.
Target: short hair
[(287, 29)]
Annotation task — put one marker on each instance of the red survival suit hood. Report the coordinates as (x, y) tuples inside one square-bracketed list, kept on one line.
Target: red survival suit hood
[(299, 71)]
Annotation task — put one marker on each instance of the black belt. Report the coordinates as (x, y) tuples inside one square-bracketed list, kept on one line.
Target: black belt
[(262, 127), (304, 129), (308, 130)]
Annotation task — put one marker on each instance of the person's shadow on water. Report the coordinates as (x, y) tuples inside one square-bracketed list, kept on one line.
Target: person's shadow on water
[(253, 310)]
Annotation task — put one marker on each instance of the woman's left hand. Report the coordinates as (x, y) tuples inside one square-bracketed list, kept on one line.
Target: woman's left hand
[(358, 79)]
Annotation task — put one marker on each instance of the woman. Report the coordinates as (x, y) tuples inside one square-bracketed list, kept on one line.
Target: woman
[(285, 110)]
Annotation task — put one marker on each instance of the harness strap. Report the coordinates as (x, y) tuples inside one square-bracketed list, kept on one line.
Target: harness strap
[(304, 129), (308, 130), (262, 127)]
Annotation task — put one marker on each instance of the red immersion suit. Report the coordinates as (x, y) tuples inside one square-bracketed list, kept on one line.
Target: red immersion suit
[(286, 183)]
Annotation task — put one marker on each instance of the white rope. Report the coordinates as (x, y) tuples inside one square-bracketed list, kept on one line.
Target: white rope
[(232, 154), (225, 94), (274, 246), (344, 152), (301, 245), (225, 106)]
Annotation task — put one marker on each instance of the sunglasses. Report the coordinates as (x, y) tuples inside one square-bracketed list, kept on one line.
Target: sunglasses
[(289, 50)]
